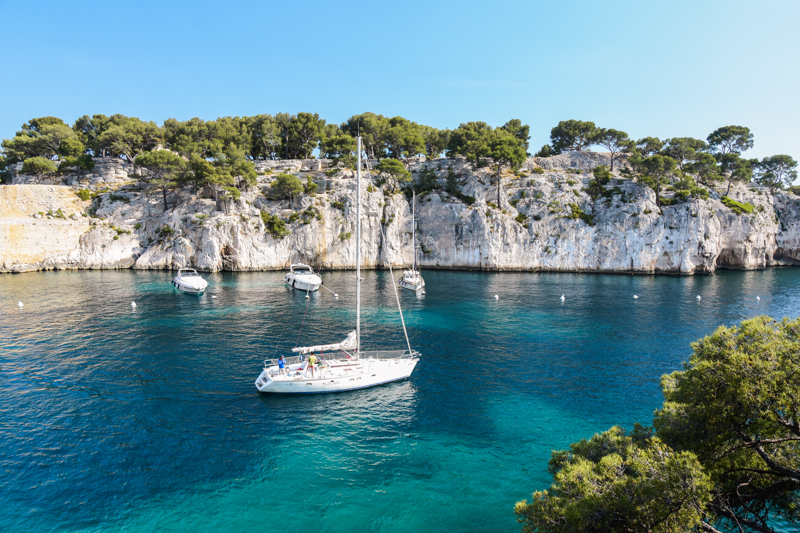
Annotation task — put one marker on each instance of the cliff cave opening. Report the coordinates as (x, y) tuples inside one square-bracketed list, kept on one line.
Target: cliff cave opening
[(228, 258)]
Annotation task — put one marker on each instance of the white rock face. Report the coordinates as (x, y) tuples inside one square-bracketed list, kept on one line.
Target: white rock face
[(544, 221), (38, 226)]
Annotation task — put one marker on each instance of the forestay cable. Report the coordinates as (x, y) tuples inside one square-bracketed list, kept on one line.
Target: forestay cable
[(394, 285)]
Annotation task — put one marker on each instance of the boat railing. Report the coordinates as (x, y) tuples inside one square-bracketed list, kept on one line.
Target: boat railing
[(372, 354), (291, 360), (390, 354)]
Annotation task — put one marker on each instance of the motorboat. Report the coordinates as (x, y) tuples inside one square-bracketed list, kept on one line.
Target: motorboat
[(302, 278), (341, 366), (412, 279), (189, 281)]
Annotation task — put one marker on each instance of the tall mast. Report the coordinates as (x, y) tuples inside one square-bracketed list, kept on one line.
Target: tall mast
[(414, 227), (358, 250)]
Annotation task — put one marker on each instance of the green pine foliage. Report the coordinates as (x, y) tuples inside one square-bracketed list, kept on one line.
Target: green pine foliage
[(577, 213), (722, 454), (274, 225), (218, 156), (737, 207), (38, 166), (286, 186)]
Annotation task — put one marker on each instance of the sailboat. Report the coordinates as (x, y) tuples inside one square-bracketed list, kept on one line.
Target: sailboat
[(412, 279), (340, 366)]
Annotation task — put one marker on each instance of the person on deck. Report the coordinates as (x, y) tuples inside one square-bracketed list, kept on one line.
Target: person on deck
[(312, 360), (281, 365)]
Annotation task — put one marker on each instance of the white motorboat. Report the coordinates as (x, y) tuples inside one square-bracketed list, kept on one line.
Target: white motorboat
[(302, 278), (348, 368), (412, 279), (189, 281)]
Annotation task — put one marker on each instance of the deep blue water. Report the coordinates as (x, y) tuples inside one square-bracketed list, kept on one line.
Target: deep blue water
[(147, 419)]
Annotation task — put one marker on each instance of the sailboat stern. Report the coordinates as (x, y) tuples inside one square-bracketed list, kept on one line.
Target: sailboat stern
[(264, 381)]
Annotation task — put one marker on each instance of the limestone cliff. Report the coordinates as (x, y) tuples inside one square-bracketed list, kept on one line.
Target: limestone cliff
[(545, 222)]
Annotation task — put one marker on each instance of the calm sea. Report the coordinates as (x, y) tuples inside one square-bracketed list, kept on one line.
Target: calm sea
[(147, 419)]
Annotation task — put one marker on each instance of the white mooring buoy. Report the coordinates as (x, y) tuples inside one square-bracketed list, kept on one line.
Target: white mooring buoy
[(496, 297), (758, 297), (563, 297), (698, 297), (635, 296), (133, 304), (20, 304), (335, 296)]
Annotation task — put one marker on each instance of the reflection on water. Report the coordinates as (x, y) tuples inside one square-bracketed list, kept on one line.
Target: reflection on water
[(147, 418)]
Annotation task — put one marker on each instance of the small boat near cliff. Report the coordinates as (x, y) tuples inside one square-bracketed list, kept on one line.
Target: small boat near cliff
[(189, 281), (302, 278), (412, 279), (312, 372)]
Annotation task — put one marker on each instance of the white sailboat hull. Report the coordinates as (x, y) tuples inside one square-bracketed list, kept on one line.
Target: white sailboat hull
[(350, 375)]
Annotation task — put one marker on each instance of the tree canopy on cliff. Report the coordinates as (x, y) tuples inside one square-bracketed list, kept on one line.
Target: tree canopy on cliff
[(338, 145), (776, 172), (648, 146), (45, 137), (39, 166), (519, 131), (286, 186), (683, 150), (396, 172), (163, 166), (724, 454), (572, 135), (656, 171), (614, 141), (285, 135), (731, 139), (502, 147)]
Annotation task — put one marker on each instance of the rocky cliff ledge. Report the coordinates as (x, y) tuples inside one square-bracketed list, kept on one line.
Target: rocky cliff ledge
[(545, 222)]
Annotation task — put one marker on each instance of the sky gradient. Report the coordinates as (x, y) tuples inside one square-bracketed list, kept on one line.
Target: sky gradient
[(679, 68)]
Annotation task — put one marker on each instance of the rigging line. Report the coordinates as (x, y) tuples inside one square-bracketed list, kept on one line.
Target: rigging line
[(327, 289), (308, 302), (280, 338), (322, 285), (396, 295), (394, 285), (296, 344), (365, 162)]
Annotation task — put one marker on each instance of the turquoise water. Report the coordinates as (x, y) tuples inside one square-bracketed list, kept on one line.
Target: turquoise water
[(147, 419)]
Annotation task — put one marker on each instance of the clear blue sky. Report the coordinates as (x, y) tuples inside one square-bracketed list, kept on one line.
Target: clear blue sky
[(674, 68)]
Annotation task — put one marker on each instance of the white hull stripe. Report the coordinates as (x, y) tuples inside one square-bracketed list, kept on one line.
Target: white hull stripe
[(336, 390)]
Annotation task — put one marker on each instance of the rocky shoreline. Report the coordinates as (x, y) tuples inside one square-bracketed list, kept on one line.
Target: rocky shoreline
[(546, 222)]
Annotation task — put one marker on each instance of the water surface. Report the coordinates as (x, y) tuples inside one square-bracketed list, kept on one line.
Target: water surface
[(147, 419)]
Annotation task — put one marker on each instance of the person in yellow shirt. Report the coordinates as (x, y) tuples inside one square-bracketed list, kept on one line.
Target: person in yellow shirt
[(312, 360)]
